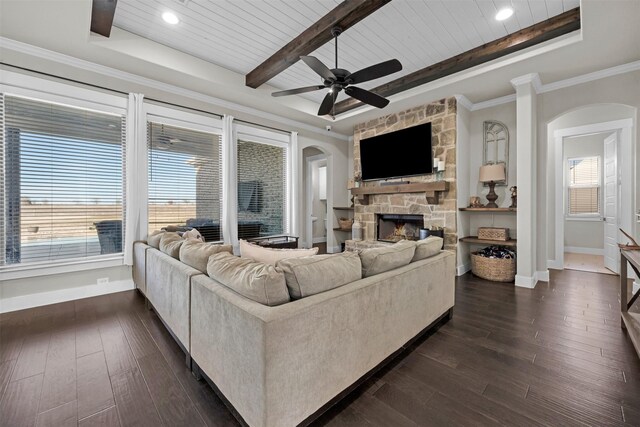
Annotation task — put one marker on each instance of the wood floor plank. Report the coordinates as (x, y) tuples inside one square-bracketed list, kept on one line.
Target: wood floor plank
[(19, 406), (6, 369), (105, 418), (33, 356), (173, 404), (138, 337), (88, 338), (62, 416), (135, 406), (378, 413), (59, 384), (94, 386), (117, 351)]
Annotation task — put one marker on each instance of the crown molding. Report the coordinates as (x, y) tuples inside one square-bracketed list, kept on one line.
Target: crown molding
[(82, 64), (494, 102), (464, 101), (596, 75), (533, 79)]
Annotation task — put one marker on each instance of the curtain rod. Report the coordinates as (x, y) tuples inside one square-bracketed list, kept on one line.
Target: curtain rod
[(150, 99)]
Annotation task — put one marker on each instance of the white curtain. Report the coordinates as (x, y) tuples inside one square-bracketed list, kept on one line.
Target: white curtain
[(229, 183), (136, 175), (294, 207)]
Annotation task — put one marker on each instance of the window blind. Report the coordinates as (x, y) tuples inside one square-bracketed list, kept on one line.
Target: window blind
[(185, 183), (63, 181), (584, 186), (262, 190)]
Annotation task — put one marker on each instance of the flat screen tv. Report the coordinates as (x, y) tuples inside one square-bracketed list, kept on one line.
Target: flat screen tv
[(405, 152)]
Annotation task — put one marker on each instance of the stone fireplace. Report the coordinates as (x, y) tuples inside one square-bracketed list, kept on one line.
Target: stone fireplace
[(396, 227), (438, 212)]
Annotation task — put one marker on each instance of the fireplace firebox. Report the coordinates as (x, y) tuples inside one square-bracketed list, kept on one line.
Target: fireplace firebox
[(396, 227)]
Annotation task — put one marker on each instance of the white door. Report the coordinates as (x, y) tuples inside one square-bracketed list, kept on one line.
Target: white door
[(611, 251)]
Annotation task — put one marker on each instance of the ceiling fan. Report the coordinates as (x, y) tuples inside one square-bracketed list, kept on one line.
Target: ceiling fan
[(337, 79)]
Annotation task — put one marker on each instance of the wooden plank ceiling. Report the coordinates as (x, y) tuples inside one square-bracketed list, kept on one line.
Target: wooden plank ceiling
[(242, 34)]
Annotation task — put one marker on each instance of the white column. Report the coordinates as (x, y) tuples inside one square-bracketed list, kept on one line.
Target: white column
[(526, 140), (229, 183), (294, 169), (136, 175)]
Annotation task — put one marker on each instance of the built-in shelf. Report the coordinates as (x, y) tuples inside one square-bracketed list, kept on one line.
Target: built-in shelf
[(342, 208), (476, 241), (506, 210), (342, 229), (430, 189)]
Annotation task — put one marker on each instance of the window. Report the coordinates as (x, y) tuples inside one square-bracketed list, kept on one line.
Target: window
[(262, 189), (185, 184), (62, 180), (583, 186)]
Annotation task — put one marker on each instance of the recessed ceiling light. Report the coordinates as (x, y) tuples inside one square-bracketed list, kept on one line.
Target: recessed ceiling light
[(504, 13), (170, 18)]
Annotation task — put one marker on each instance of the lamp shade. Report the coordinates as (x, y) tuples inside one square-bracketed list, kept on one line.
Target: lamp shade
[(492, 173)]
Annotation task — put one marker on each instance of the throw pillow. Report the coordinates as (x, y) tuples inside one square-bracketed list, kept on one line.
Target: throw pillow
[(170, 244), (315, 274), (153, 239), (379, 260), (427, 248), (193, 234), (196, 254), (269, 255), (257, 281)]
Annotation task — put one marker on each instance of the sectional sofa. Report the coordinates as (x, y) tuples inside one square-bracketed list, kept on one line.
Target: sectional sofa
[(282, 348)]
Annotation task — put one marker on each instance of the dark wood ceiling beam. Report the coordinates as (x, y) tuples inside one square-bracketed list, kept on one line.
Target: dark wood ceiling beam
[(102, 13), (345, 15), (546, 30)]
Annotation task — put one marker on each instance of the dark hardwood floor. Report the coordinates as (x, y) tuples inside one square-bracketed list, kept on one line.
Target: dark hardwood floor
[(510, 356)]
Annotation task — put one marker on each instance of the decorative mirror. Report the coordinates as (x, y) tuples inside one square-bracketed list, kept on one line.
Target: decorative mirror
[(496, 146)]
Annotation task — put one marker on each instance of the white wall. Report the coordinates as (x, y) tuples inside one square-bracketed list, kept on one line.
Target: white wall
[(580, 233), (337, 174), (608, 99)]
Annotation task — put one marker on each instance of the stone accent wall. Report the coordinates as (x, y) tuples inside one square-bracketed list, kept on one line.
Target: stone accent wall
[(442, 115)]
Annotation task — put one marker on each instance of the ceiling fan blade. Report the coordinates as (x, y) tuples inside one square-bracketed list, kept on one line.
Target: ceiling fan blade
[(327, 104), (376, 71), (298, 90), (366, 97), (316, 65)]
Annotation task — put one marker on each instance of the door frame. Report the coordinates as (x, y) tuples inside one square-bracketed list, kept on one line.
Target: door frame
[(625, 172), (308, 209)]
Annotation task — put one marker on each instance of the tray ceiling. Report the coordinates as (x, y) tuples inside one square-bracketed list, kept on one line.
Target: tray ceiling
[(241, 34)]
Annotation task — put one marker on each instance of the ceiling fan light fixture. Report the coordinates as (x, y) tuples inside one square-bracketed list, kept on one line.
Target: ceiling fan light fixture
[(504, 13), (170, 18)]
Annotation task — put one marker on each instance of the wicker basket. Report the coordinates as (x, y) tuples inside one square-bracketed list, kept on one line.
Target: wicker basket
[(345, 223), (493, 233), (494, 269)]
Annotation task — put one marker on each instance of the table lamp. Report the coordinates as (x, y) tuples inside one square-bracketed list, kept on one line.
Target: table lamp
[(490, 174)]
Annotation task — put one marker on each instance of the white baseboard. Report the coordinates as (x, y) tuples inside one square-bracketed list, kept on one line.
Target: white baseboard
[(63, 295), (542, 276), (319, 239), (526, 281), (554, 264), (462, 269), (587, 251)]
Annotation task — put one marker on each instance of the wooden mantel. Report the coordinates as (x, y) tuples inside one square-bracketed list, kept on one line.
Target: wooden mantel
[(430, 189)]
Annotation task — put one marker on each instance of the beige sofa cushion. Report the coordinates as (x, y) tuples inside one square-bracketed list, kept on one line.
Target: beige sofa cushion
[(196, 254), (269, 255), (379, 260), (427, 248), (255, 280), (314, 274), (153, 239), (170, 244)]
